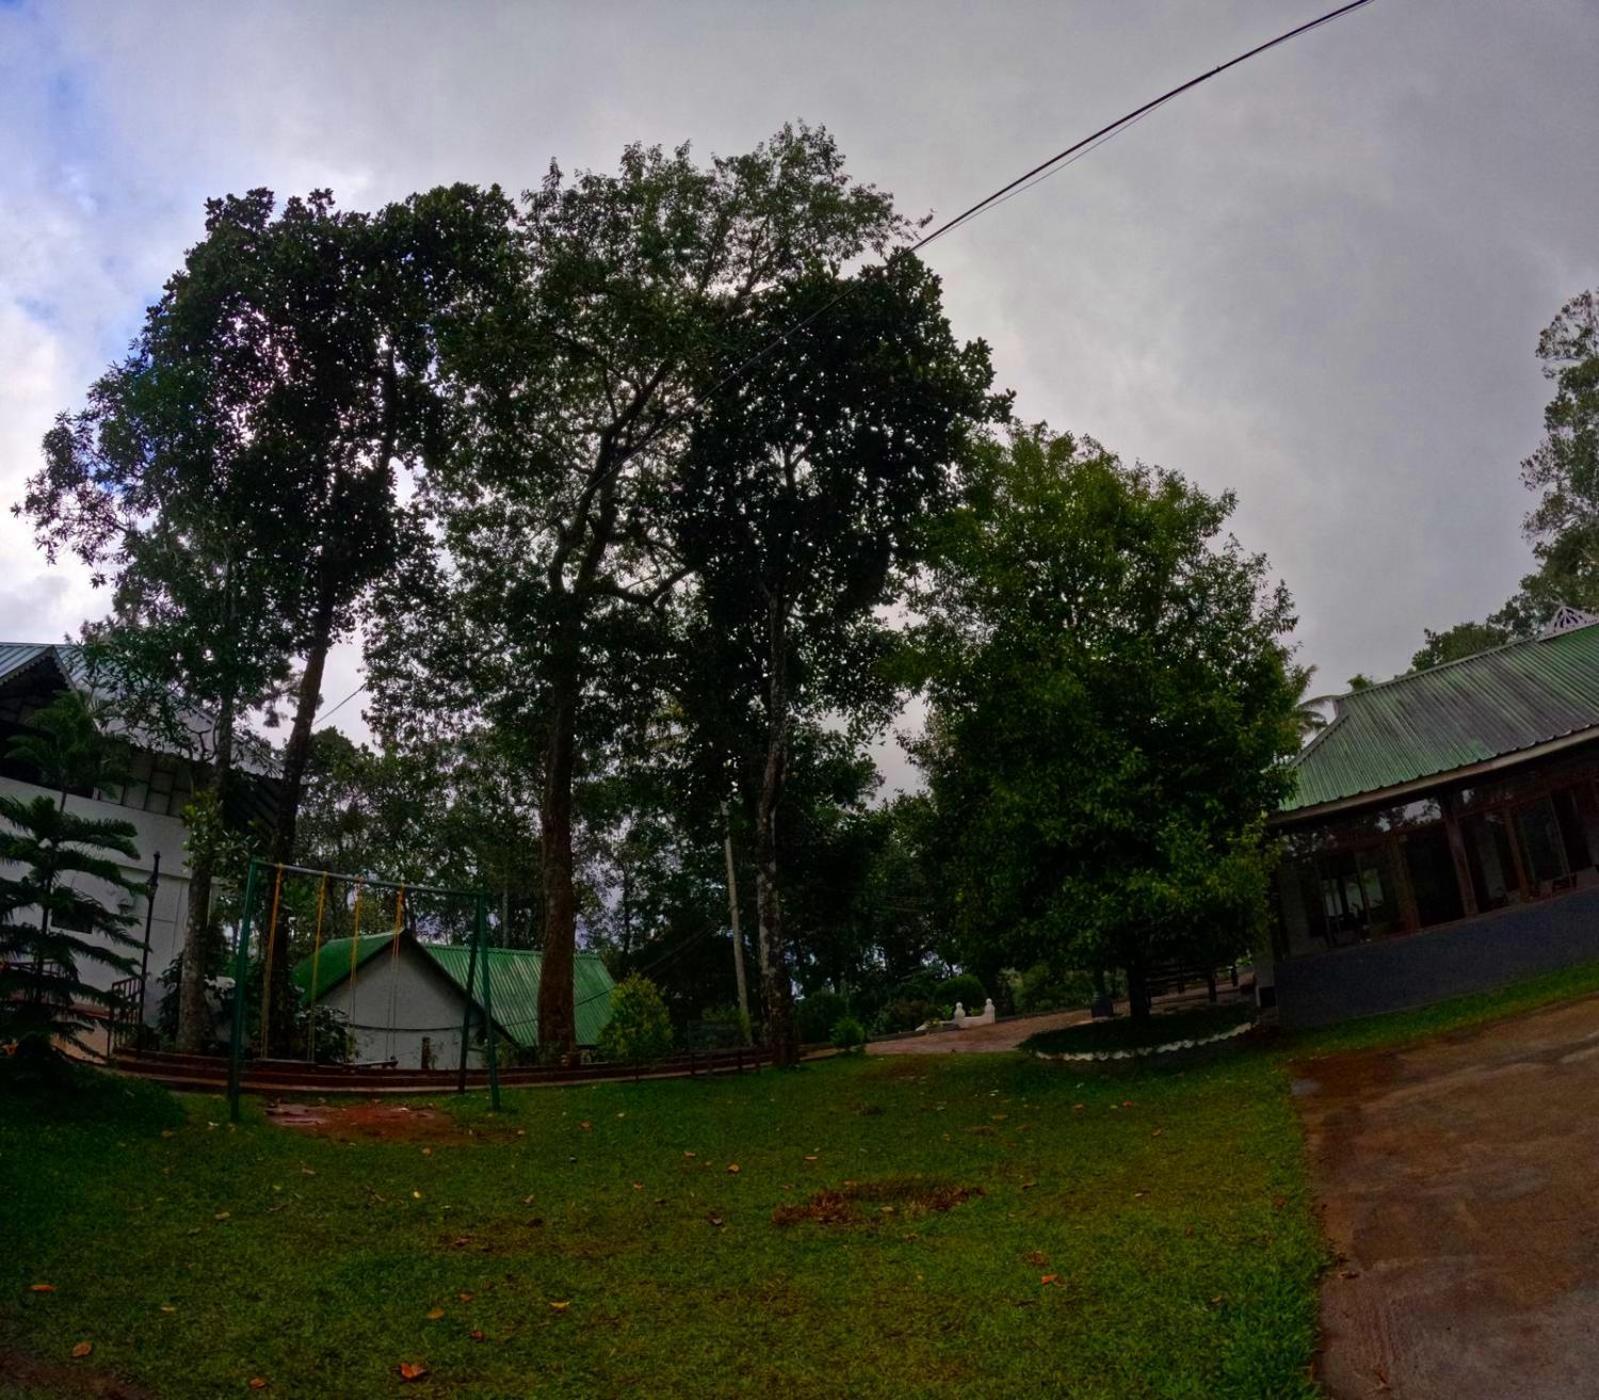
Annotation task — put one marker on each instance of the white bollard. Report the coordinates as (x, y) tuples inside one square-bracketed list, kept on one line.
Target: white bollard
[(960, 1015)]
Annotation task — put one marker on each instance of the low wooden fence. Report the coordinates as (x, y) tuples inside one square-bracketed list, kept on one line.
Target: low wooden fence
[(209, 1073)]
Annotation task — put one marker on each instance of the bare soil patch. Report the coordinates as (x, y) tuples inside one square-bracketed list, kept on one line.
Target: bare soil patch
[(1457, 1182), (368, 1122), (32, 1375), (870, 1202)]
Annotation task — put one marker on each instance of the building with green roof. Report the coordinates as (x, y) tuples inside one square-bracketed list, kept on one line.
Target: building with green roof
[(405, 1000), (1460, 801)]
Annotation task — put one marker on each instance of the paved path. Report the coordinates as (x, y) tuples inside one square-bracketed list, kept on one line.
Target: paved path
[(1002, 1035), (1459, 1182)]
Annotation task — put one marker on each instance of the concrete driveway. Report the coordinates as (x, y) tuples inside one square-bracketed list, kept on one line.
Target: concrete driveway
[(1459, 1182)]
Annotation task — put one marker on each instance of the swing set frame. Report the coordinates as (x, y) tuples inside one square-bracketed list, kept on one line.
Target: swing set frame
[(254, 883)]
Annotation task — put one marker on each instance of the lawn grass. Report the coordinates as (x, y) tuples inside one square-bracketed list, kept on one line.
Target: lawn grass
[(1396, 1028), (1169, 1205), (1124, 1033)]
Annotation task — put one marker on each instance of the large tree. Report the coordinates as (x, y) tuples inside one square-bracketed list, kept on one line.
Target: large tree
[(802, 506), (1563, 471), (302, 342), (575, 395), (1111, 708)]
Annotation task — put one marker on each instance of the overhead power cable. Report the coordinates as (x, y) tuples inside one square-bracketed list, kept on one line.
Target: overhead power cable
[(1023, 182)]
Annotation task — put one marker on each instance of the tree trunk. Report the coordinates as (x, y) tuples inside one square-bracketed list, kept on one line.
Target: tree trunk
[(1137, 992), (291, 790), (781, 1034), (557, 1024), (193, 1018), (738, 937)]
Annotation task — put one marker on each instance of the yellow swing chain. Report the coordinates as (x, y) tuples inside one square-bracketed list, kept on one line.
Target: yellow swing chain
[(355, 947), (316, 959), (266, 971)]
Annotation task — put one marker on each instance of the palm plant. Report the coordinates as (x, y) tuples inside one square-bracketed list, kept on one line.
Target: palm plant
[(48, 924)]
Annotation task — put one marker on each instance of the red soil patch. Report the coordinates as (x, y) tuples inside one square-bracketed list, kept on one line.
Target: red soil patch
[(896, 1196), (30, 1375), (1457, 1187), (368, 1122)]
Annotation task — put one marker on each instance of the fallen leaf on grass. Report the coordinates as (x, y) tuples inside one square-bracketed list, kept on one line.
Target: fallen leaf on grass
[(82, 1350), (688, 1154), (561, 1306), (416, 1195), (412, 1370), (811, 1157), (715, 1220), (1049, 1278), (586, 1126), (434, 1314), (42, 1288), (638, 1185), (168, 1308), (427, 1151), (464, 1296), (258, 1383), (475, 1335), (733, 1168)]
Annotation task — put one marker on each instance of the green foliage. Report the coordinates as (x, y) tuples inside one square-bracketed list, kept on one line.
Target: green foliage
[(640, 1030), (49, 927), (66, 743), (817, 1014), (1111, 708), (966, 989), (1563, 471), (905, 1014), (848, 1035), (1458, 642), (1042, 988)]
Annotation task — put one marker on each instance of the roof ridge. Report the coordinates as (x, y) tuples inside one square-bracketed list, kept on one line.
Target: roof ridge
[(1424, 671)]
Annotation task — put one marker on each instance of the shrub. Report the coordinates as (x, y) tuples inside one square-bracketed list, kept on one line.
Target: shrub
[(965, 989), (719, 1026), (818, 1014), (904, 1014), (640, 1030), (1042, 988), (849, 1035)]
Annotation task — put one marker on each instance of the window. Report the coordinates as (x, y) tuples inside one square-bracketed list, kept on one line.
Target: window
[(1543, 849), (1357, 896), (1492, 864), (1430, 865), (1573, 819)]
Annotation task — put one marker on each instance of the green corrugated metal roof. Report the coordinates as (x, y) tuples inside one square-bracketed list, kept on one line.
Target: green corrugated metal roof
[(513, 981), (1431, 722)]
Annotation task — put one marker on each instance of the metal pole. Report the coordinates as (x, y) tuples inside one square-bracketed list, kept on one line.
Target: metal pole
[(241, 970), (144, 962), (488, 1007), (466, 1018), (732, 918)]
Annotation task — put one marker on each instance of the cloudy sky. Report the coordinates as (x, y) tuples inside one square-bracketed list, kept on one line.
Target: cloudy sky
[(1317, 281)]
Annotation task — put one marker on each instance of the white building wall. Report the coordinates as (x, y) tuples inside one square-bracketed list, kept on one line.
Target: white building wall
[(394, 1003), (155, 832)]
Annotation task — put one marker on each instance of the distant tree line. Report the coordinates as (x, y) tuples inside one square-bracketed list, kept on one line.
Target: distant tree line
[(651, 496)]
